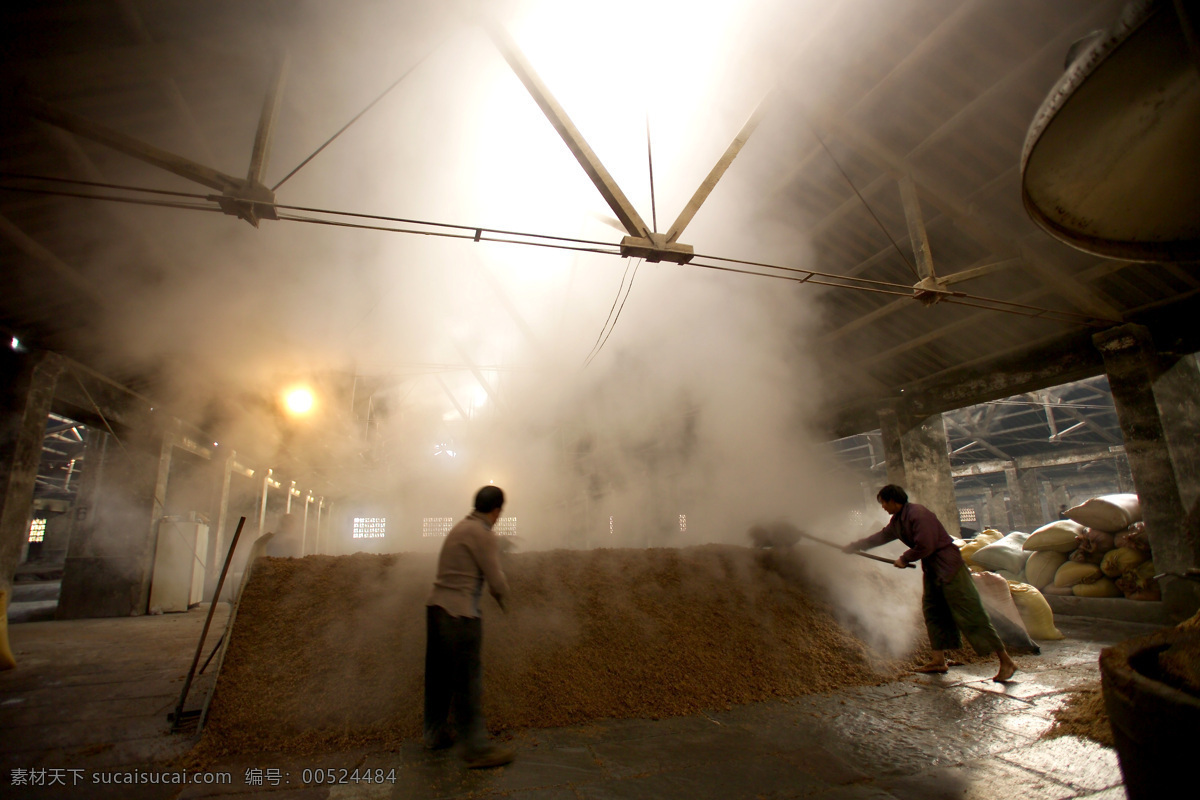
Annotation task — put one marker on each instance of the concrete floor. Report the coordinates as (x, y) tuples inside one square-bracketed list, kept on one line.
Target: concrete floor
[(92, 695)]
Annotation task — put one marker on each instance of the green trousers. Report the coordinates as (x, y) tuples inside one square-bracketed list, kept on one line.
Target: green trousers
[(954, 607)]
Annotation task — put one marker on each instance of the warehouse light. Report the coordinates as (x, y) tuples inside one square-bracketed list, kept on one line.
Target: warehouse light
[(298, 400), (16, 343)]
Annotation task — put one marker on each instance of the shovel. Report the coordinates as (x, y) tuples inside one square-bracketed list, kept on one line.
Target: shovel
[(858, 553)]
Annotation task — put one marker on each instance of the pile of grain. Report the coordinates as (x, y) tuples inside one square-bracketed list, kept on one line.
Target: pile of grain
[(329, 651), (1083, 715)]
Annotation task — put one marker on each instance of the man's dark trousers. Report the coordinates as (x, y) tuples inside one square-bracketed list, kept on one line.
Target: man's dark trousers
[(454, 678)]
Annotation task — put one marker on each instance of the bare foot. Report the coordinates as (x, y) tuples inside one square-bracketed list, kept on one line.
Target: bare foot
[(932, 669), (1006, 672)]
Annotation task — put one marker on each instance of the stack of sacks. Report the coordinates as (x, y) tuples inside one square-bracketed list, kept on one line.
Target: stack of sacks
[(1139, 584), (1114, 541), (970, 547), (1082, 580), (1048, 548), (1005, 616), (1091, 545), (1134, 536), (1005, 557)]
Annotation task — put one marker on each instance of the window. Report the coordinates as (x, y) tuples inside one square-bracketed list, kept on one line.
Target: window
[(436, 526), (966, 515), (506, 526), (683, 523), (37, 530), (369, 527)]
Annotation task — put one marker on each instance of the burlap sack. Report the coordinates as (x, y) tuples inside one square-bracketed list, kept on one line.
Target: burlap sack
[(1057, 536), (1041, 567), (1035, 612), (1006, 554), (1111, 513)]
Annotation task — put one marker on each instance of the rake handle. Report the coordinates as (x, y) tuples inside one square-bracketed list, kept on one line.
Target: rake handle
[(857, 552)]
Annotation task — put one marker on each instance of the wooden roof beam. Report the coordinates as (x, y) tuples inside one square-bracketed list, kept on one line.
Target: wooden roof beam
[(996, 451), (53, 263), (995, 235), (1040, 461)]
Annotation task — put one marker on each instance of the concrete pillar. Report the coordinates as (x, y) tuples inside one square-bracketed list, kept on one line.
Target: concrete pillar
[(997, 511), (1124, 474), (1157, 398), (218, 542), (1024, 495), (58, 538), (29, 380), (1057, 496), (918, 458), (111, 556)]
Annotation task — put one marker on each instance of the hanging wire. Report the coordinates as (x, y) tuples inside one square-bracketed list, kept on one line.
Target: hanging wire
[(455, 226), (97, 184), (611, 309), (114, 198), (613, 327), (612, 250), (503, 236)]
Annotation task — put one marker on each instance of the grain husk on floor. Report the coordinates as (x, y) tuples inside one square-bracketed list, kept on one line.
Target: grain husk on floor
[(1083, 715), (328, 652)]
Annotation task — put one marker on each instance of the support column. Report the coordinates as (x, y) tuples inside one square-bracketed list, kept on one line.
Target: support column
[(29, 381), (1157, 398), (304, 548), (997, 511), (1124, 474), (216, 542), (111, 557), (1024, 497), (918, 458)]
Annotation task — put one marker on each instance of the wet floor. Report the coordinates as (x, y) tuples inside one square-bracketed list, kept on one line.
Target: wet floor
[(88, 705)]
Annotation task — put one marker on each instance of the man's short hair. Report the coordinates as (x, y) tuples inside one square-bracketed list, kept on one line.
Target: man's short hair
[(892, 494), (489, 498)]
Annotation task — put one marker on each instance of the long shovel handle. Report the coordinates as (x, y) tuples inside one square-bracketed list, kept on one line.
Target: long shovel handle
[(856, 552)]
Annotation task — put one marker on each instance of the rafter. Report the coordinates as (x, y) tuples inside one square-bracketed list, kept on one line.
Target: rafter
[(1102, 268), (47, 259), (986, 445)]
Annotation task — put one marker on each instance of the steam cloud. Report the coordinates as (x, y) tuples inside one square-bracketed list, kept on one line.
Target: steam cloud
[(700, 403)]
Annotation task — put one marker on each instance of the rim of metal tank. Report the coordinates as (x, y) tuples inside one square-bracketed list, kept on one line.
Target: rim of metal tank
[(1115, 664), (1085, 57)]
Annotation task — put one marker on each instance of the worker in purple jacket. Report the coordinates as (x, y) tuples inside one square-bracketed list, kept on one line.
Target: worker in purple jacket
[(951, 602)]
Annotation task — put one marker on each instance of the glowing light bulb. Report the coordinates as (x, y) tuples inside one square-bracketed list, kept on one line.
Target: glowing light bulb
[(298, 400)]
